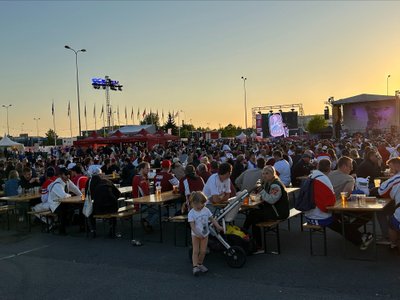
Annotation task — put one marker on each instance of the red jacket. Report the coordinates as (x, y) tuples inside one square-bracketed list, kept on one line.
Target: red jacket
[(324, 195)]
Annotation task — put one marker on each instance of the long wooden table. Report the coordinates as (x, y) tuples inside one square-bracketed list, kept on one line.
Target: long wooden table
[(355, 208), (158, 200), (21, 198)]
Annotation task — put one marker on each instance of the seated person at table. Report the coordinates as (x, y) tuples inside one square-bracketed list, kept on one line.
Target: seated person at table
[(141, 188), (275, 203), (371, 166), (78, 178), (282, 166), (391, 188), (323, 195), (165, 178), (105, 200), (218, 186), (343, 182), (248, 179), (188, 184), (11, 185), (27, 181), (302, 168), (58, 190)]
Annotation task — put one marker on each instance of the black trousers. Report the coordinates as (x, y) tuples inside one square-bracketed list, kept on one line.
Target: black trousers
[(255, 216), (351, 232)]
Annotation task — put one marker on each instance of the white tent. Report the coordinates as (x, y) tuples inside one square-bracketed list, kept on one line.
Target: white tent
[(7, 143), (241, 136), (253, 135)]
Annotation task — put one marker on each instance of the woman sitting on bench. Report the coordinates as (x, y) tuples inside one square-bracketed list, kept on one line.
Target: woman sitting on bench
[(275, 204)]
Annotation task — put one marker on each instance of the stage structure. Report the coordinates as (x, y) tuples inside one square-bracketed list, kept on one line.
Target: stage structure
[(274, 121), (366, 113)]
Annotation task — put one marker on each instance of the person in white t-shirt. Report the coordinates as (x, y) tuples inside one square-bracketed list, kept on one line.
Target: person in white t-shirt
[(218, 186), (198, 218), (282, 167)]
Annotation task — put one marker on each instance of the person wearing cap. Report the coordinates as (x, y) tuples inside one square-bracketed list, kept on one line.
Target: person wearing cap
[(60, 189), (177, 169), (188, 184), (323, 153), (302, 168), (165, 178)]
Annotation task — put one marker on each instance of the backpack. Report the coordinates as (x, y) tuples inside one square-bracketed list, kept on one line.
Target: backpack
[(305, 199)]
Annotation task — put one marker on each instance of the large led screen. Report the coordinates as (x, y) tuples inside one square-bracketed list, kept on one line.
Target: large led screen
[(369, 115)]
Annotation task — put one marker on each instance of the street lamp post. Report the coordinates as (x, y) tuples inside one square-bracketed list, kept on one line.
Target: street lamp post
[(37, 127), (77, 83), (8, 126), (245, 101), (387, 85)]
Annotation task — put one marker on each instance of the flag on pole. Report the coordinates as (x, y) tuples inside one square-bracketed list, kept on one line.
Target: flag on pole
[(118, 113), (69, 108), (52, 108), (144, 113), (132, 114), (84, 113), (126, 113), (157, 113), (138, 113), (162, 115), (177, 114), (102, 111), (94, 111)]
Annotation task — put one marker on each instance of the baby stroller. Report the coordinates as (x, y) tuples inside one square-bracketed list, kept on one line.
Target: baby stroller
[(235, 255)]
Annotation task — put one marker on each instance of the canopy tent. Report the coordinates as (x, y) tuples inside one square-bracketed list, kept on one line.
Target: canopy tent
[(241, 136), (119, 137), (6, 142)]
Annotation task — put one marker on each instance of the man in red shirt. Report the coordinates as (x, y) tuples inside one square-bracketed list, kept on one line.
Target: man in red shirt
[(78, 178), (140, 188), (165, 178)]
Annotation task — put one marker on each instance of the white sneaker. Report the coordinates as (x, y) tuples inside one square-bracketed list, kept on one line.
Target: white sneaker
[(196, 271), (203, 268), (367, 240)]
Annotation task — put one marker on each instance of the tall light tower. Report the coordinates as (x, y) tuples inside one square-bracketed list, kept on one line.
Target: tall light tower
[(8, 126), (245, 101), (37, 127), (77, 83), (107, 84)]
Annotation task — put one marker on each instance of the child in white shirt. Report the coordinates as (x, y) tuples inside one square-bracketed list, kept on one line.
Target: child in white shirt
[(198, 218)]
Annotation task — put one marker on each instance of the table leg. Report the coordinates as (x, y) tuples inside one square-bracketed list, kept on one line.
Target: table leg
[(374, 236), (159, 219), (343, 234)]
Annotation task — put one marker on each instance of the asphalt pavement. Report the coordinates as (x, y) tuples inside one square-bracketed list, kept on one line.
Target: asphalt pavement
[(40, 265)]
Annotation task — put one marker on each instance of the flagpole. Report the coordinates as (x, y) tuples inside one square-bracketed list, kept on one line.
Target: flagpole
[(70, 124), (86, 120), (104, 125), (95, 120), (54, 125)]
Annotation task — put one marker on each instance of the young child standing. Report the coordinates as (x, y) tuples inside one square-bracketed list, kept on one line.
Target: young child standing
[(198, 217)]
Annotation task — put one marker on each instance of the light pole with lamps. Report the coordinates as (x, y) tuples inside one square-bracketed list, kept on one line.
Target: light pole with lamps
[(245, 101), (77, 83), (8, 127), (387, 85), (37, 127)]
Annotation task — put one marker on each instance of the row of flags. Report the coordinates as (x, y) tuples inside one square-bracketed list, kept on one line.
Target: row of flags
[(175, 115)]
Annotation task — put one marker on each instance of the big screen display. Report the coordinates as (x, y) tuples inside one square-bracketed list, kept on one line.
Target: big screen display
[(369, 115)]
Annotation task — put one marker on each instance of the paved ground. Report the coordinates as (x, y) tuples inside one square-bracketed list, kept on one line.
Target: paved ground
[(48, 266)]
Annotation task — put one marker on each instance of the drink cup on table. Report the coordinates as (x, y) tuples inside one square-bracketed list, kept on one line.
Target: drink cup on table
[(377, 182), (343, 196)]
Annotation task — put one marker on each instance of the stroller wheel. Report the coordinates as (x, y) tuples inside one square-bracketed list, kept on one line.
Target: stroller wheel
[(235, 257)]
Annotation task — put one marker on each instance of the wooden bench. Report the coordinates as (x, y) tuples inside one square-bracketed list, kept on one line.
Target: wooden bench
[(6, 209), (273, 226), (47, 214), (182, 219), (318, 230), (124, 212)]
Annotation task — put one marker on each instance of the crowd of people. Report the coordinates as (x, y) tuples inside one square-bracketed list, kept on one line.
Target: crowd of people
[(219, 169)]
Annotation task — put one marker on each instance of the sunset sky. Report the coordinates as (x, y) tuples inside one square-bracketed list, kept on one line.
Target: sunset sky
[(190, 56)]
